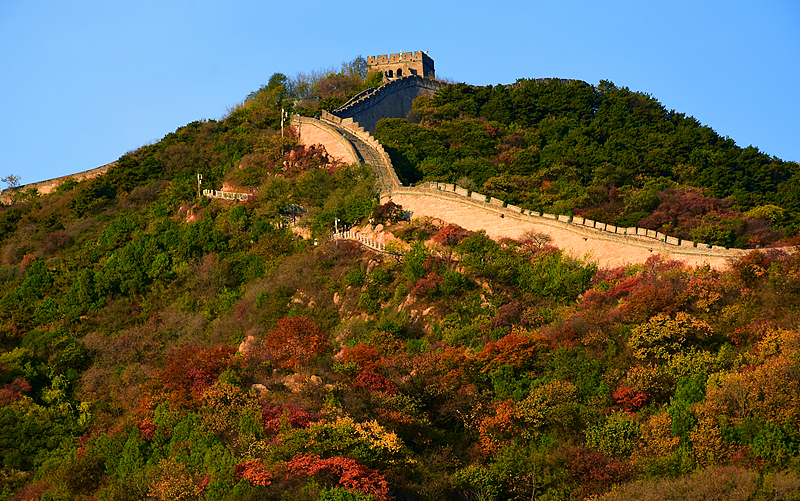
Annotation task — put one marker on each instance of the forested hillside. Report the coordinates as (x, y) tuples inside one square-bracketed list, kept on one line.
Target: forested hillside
[(604, 152), (159, 345)]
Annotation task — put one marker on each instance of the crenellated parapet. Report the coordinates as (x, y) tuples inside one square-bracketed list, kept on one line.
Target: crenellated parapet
[(510, 217), (402, 64), (227, 195)]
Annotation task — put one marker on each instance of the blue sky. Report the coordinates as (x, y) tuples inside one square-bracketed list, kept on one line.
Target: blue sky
[(84, 81)]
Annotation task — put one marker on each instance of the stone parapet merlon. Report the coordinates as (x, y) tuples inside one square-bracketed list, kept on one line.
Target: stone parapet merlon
[(366, 242)]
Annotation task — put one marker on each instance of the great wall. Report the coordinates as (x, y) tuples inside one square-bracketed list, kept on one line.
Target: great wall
[(346, 133), (48, 185), (344, 136)]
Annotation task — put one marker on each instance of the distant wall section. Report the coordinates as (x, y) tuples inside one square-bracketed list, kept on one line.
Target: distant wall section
[(45, 187), (392, 100)]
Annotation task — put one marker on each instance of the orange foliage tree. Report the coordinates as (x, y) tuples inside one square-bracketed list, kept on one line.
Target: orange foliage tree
[(295, 342), (350, 474), (365, 356), (191, 370), (451, 235), (254, 471), (518, 350)]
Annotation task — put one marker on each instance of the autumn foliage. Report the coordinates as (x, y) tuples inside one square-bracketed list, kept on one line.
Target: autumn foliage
[(451, 235), (345, 471), (157, 346), (255, 472), (191, 370), (295, 342)]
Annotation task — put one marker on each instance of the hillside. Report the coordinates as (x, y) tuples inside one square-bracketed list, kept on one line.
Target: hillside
[(602, 152), (160, 345)]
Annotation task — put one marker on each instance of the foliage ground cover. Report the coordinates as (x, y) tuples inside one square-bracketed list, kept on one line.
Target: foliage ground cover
[(157, 346)]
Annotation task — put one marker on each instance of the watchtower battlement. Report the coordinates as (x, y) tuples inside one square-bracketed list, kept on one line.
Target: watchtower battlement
[(403, 64)]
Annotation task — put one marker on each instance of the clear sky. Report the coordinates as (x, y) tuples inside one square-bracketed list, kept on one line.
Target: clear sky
[(84, 81)]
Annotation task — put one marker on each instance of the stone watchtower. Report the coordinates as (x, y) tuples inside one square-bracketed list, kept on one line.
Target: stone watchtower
[(402, 65)]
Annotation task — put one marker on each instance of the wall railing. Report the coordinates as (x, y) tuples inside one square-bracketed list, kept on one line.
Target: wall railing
[(227, 195)]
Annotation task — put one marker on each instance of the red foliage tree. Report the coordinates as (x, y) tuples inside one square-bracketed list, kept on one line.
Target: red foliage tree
[(191, 370), (296, 416), (386, 344), (13, 391), (295, 342), (350, 474), (661, 287), (427, 286), (446, 368), (629, 399), (451, 235), (596, 472), (389, 212), (365, 356), (516, 350), (375, 383), (507, 315), (254, 472), (752, 268)]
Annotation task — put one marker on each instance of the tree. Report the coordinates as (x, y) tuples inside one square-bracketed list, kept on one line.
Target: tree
[(295, 342), (192, 370), (451, 235), (11, 180), (357, 67), (389, 212), (271, 95), (339, 86)]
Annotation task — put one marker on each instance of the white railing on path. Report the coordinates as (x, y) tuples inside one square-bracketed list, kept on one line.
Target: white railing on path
[(366, 242), (226, 195)]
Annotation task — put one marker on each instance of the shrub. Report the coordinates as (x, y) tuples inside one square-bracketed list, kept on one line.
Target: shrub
[(618, 435), (389, 212), (375, 383), (354, 278), (596, 472), (191, 370), (451, 235), (349, 473), (293, 414)]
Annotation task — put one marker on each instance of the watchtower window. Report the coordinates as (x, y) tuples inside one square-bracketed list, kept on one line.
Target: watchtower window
[(389, 74), (399, 72)]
